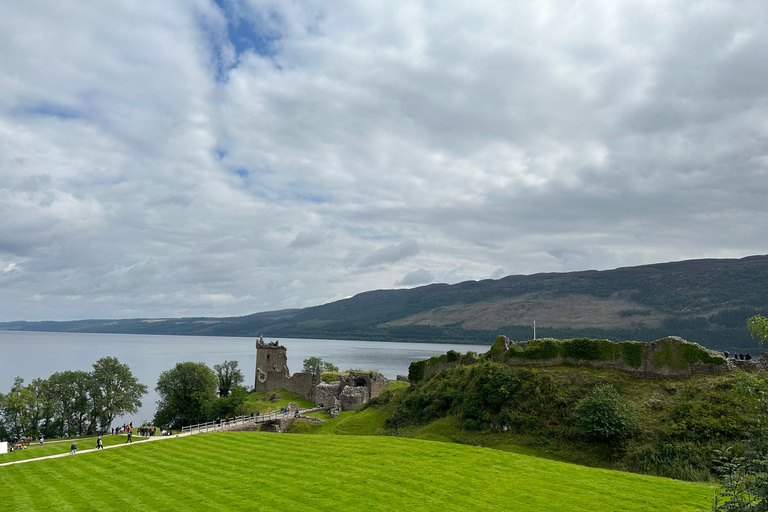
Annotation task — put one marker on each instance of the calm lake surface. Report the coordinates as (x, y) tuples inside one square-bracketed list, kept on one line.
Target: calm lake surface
[(32, 355)]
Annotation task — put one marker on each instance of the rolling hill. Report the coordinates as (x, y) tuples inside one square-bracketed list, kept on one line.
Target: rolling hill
[(706, 301)]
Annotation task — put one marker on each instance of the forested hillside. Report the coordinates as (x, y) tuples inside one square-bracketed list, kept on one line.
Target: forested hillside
[(706, 301)]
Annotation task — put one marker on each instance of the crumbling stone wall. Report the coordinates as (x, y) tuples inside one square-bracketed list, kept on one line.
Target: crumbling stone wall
[(348, 393), (670, 357)]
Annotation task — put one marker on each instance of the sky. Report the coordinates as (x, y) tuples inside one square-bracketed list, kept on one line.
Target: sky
[(220, 158)]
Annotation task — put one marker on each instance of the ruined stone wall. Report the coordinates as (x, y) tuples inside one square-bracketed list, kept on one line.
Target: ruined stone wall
[(301, 383), (669, 357)]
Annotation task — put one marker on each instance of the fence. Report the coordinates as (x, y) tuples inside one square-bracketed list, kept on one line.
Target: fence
[(213, 426)]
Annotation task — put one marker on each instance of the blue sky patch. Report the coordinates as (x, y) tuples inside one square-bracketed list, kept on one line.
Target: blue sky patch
[(53, 110)]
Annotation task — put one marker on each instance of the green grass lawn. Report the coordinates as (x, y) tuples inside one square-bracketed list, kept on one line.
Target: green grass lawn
[(261, 401), (259, 471), (56, 446)]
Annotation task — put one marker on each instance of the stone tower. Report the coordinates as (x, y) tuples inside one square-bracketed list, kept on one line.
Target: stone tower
[(270, 359)]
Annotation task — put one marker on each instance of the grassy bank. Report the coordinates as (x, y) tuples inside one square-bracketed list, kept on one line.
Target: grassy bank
[(257, 471)]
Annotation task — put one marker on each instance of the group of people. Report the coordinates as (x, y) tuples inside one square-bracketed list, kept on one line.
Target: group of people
[(738, 356)]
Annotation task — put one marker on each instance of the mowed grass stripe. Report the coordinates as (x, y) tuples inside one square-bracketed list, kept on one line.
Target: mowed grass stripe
[(258, 471), (176, 479), (113, 479)]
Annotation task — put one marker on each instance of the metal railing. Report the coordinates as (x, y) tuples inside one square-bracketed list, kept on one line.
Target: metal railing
[(223, 424)]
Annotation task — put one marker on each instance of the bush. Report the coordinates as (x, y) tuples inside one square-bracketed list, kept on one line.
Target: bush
[(497, 348), (604, 416), (416, 371), (452, 356), (330, 377)]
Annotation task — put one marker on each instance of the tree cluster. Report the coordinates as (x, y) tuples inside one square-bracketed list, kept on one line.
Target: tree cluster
[(192, 393), (70, 403), (313, 364)]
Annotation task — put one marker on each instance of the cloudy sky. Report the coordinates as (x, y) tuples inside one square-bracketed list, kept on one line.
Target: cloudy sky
[(223, 157)]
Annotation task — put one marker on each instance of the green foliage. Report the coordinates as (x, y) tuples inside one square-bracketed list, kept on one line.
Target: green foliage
[(434, 360), (605, 417), (228, 376), (678, 356), (314, 364), (416, 371), (581, 348), (185, 392), (758, 326), (497, 349), (744, 483), (330, 377), (230, 405), (452, 356), (679, 422), (632, 352), (537, 349), (72, 402)]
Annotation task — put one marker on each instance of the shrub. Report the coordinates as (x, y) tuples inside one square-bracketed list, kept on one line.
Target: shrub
[(416, 371), (497, 348), (330, 377), (434, 360), (604, 416), (452, 356)]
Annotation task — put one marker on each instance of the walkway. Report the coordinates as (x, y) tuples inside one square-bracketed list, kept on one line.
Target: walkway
[(211, 426), (88, 450)]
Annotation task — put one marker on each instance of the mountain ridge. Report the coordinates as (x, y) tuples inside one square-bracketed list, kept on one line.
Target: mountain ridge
[(703, 300)]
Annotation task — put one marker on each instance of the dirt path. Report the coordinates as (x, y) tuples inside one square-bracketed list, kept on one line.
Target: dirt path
[(88, 450)]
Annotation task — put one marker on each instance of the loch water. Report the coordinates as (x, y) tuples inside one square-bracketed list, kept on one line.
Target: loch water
[(32, 355)]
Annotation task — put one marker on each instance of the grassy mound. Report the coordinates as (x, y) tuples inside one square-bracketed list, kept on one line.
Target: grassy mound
[(665, 427), (254, 471)]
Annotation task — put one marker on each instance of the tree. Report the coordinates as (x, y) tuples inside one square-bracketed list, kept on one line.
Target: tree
[(115, 391), (185, 394), (604, 416), (229, 405), (228, 376), (312, 364), (69, 396), (758, 325)]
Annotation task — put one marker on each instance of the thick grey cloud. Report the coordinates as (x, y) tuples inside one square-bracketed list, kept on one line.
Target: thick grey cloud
[(391, 254), (416, 277), (221, 158)]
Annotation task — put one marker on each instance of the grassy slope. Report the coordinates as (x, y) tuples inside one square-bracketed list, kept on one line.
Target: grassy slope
[(255, 471)]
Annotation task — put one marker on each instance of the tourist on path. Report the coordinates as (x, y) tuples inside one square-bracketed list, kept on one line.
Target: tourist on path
[(73, 449), (129, 440), (99, 444)]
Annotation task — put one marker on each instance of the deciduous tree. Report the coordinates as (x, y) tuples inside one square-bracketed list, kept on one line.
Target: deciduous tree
[(758, 325), (228, 376), (186, 392), (115, 390)]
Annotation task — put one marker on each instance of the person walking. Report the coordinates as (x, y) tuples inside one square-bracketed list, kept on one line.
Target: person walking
[(129, 440), (73, 449), (99, 444)]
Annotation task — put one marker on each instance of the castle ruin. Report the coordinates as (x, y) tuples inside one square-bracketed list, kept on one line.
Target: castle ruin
[(348, 393)]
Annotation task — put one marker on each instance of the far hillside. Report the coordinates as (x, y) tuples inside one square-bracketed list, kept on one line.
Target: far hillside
[(706, 301)]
